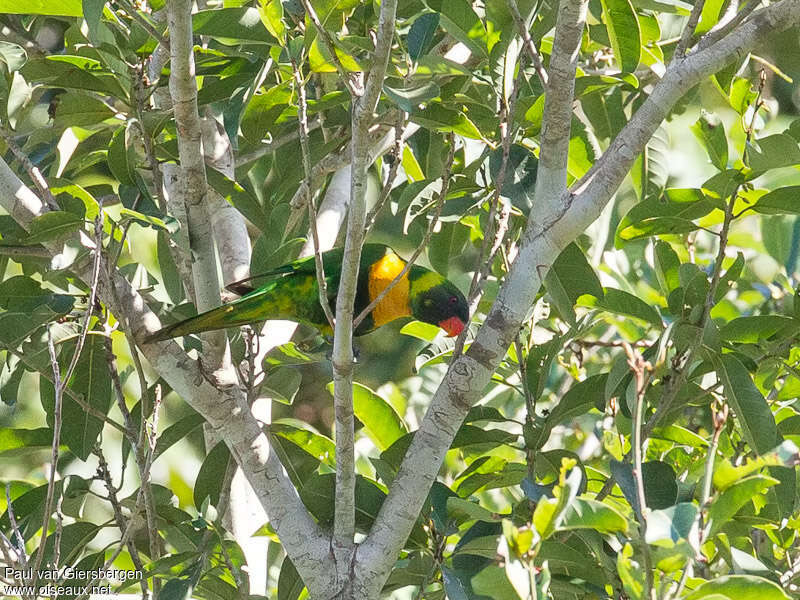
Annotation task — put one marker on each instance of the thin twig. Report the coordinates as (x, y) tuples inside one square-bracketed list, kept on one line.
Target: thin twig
[(57, 536), (688, 31), (98, 255), (273, 145), (302, 114), (397, 151), (530, 45), (498, 232), (718, 33), (51, 484), (640, 368), (145, 24), (327, 41), (16, 533), (33, 171), (127, 534), (25, 252), (104, 474)]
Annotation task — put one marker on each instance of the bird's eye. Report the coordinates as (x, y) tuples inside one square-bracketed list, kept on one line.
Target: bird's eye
[(453, 299)]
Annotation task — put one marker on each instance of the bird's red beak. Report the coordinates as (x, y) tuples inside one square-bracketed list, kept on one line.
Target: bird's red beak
[(453, 326)]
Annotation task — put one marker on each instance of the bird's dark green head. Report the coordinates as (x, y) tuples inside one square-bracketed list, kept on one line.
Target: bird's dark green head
[(436, 301)]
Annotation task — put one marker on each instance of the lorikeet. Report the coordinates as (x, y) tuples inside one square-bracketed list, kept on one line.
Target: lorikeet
[(292, 294)]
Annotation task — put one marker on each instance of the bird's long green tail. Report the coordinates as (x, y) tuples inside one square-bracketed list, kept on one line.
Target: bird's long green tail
[(254, 307)]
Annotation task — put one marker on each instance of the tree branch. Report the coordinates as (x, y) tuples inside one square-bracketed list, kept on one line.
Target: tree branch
[(688, 30), (342, 359), (227, 223), (217, 397), (551, 179), (563, 218), (192, 190)]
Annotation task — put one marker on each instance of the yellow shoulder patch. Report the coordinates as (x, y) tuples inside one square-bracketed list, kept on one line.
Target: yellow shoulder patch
[(394, 304)]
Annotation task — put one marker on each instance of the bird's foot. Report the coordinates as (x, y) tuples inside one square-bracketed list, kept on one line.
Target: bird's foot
[(329, 352)]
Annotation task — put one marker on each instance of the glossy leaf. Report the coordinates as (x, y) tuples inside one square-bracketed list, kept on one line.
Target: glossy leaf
[(752, 411), (623, 30), (710, 132), (570, 277), (740, 587)]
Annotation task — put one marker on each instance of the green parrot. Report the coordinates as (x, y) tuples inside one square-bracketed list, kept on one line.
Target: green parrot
[(291, 293)]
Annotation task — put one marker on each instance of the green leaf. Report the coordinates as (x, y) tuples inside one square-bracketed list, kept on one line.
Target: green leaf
[(461, 511), (381, 422), (624, 33), (492, 582), (91, 380), (290, 584), (283, 383), (169, 270), (318, 493), (783, 201), (28, 509), (263, 111), (654, 216), (12, 55), (667, 264), (420, 36), (777, 233), (92, 13), (74, 538), (14, 442), (447, 244), (122, 156), (301, 434), (176, 589), (570, 277), (725, 474), (25, 295), (459, 20), (752, 411), (728, 503), (211, 476), (673, 523), (232, 25), (456, 584), (331, 13), (59, 8), (238, 196), (271, 12), (585, 513), (176, 432), (709, 16), (773, 152), (625, 304), (738, 587), (446, 120), (650, 171), (168, 223), (422, 331), (550, 512), (77, 110), (410, 98), (51, 227), (710, 132), (579, 400), (299, 464), (730, 277), (660, 485), (321, 61), (758, 328)]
